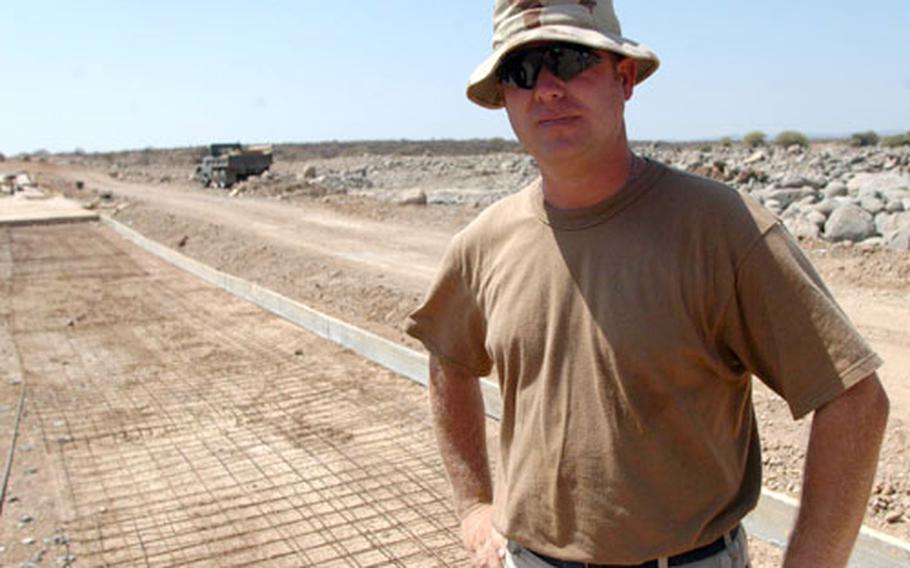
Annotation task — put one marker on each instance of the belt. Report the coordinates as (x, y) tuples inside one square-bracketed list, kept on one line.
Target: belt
[(693, 555)]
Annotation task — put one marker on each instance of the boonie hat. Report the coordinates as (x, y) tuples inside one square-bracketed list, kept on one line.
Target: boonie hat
[(587, 22)]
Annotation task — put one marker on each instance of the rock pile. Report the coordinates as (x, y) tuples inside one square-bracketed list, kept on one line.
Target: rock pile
[(832, 191), (836, 193)]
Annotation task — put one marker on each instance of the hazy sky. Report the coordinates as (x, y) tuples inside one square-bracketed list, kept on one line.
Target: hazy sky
[(103, 75)]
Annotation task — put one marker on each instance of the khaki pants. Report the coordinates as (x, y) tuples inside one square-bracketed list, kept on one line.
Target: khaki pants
[(736, 555)]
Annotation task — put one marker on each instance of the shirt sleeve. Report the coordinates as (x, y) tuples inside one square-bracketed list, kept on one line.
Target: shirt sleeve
[(450, 322), (785, 327)]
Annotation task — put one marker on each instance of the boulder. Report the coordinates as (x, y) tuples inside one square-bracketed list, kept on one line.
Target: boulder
[(773, 205), (413, 197), (757, 156), (894, 206), (878, 182), (872, 204), (835, 189), (798, 181), (899, 240), (871, 243), (827, 206), (784, 197), (889, 223), (896, 195), (816, 218), (801, 227), (849, 223)]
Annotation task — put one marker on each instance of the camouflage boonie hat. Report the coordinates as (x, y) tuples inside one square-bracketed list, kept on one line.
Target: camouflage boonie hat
[(587, 22)]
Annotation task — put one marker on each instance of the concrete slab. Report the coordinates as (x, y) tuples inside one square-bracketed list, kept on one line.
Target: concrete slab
[(39, 210)]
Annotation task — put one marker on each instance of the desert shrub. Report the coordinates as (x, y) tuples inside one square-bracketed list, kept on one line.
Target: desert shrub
[(896, 140), (2, 157), (789, 138), (726, 141), (868, 138), (754, 139)]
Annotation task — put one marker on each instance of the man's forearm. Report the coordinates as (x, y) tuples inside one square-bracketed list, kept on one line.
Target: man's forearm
[(460, 425), (840, 466)]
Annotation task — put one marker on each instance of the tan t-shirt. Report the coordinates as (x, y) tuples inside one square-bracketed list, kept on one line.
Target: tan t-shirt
[(623, 336)]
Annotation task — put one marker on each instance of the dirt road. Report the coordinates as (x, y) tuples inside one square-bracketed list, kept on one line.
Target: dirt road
[(406, 256)]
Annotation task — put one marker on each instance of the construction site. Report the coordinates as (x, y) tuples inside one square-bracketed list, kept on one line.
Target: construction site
[(200, 368)]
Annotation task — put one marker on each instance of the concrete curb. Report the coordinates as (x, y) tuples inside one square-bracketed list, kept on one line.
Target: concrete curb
[(771, 521), (16, 211), (28, 222)]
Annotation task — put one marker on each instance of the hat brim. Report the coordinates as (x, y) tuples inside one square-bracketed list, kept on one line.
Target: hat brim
[(482, 87)]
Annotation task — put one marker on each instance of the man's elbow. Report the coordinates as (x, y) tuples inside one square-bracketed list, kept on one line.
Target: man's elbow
[(866, 404)]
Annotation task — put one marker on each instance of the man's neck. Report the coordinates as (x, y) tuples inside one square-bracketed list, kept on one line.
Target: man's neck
[(568, 185)]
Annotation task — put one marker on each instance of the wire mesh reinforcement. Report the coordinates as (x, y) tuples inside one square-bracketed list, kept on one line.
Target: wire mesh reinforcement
[(191, 429)]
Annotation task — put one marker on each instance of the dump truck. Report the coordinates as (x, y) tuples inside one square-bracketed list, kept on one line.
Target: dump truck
[(226, 164)]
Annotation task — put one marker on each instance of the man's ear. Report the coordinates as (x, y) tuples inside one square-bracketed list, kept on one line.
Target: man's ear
[(627, 69)]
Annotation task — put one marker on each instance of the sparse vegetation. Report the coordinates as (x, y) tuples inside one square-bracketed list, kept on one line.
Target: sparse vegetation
[(868, 138), (789, 138), (754, 139), (726, 141), (896, 140)]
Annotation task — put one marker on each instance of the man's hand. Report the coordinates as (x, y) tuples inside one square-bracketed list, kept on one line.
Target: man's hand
[(485, 545)]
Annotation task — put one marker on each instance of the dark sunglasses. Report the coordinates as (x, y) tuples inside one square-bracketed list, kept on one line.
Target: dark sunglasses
[(564, 60)]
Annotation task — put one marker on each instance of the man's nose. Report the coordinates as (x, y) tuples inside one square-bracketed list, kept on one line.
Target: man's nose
[(549, 87)]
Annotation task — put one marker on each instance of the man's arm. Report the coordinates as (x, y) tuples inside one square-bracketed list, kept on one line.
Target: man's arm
[(840, 466), (456, 404)]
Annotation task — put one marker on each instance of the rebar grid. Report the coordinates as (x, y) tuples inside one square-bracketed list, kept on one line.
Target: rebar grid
[(190, 434)]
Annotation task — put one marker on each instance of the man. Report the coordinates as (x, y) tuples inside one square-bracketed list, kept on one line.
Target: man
[(624, 307)]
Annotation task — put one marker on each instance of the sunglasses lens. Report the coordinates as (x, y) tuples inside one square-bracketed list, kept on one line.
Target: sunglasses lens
[(567, 63), (521, 69)]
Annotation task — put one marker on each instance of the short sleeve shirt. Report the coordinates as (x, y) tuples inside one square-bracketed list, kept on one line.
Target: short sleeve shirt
[(624, 337)]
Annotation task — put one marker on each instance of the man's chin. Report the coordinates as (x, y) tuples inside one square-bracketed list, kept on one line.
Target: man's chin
[(559, 147)]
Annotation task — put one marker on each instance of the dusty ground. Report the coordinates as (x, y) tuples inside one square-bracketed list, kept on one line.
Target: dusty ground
[(368, 262)]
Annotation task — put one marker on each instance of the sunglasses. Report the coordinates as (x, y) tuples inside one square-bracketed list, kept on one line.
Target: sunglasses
[(564, 60)]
